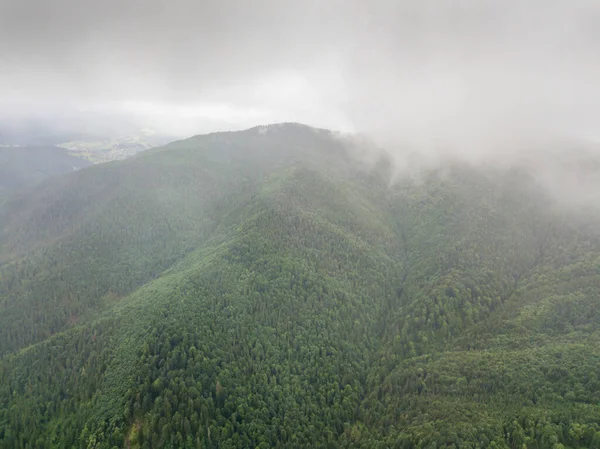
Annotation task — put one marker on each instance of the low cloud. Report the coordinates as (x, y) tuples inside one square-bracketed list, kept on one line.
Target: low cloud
[(465, 77)]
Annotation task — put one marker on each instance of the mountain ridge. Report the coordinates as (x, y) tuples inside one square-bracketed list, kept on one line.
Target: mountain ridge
[(271, 290)]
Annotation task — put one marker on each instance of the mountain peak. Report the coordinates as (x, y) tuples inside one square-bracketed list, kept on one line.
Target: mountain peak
[(259, 288), (286, 126)]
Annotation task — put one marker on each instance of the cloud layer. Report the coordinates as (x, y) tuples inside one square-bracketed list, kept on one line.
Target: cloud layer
[(460, 74)]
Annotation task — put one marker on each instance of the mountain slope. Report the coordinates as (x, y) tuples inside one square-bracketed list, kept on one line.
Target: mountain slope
[(26, 166), (233, 285), (263, 289), (124, 223)]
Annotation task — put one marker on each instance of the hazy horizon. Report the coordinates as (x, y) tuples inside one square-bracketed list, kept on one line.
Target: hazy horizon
[(467, 76)]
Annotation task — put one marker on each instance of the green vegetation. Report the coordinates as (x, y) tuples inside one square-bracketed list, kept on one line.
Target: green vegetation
[(261, 289)]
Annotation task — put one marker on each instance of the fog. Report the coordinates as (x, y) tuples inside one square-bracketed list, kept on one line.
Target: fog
[(463, 77)]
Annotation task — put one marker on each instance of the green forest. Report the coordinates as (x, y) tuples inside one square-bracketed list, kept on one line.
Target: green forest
[(270, 288)]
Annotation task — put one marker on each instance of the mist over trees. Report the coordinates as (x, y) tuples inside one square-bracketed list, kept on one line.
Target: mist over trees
[(427, 276), (267, 289)]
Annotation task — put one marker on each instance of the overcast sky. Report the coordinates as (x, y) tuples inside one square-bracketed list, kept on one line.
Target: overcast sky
[(427, 71)]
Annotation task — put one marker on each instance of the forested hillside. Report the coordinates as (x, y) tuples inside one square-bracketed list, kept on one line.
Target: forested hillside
[(267, 288), (26, 166)]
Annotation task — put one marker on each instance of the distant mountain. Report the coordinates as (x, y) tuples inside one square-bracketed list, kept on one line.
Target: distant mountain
[(95, 136), (25, 166), (275, 287)]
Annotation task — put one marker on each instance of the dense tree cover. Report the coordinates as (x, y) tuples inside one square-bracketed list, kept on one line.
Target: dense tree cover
[(79, 242), (294, 306)]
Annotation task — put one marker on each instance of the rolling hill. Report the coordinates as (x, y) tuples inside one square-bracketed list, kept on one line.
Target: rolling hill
[(22, 167), (268, 288)]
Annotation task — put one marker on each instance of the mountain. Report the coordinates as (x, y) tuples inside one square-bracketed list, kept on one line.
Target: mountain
[(25, 166), (94, 136), (274, 287)]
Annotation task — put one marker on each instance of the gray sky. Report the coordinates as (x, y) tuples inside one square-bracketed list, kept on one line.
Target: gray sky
[(465, 73)]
